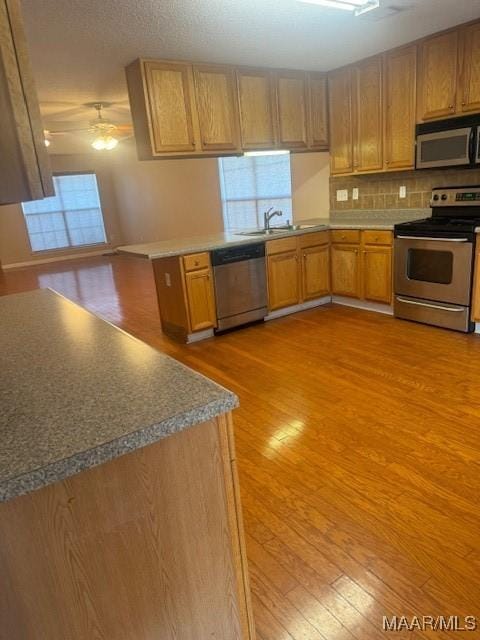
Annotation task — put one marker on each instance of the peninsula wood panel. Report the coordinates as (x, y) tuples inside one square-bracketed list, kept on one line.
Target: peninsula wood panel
[(217, 107), (170, 105), (437, 78), (368, 148), (315, 272), (476, 289), (201, 300), (256, 98), (377, 274), (341, 122), (283, 280), (292, 109), (317, 111), (147, 545), (25, 172), (400, 108), (470, 77), (345, 265)]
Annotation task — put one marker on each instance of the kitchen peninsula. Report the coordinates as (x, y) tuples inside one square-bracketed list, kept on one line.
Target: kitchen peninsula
[(305, 264), (119, 502)]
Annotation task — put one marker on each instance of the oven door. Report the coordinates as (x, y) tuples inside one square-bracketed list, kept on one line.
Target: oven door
[(434, 268), (445, 148)]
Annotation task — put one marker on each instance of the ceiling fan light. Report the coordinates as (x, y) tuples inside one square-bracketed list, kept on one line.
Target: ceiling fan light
[(110, 143), (46, 142), (99, 143)]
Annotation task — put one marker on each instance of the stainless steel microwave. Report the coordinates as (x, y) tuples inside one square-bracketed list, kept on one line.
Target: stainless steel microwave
[(448, 143)]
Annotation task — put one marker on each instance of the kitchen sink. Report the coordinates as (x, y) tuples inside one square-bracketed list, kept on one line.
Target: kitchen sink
[(274, 230)]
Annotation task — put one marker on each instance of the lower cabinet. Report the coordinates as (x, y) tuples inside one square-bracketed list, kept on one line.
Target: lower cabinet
[(298, 269), (361, 265), (476, 289), (200, 299), (185, 293)]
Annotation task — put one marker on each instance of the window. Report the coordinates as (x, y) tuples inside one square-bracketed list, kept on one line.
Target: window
[(70, 218), (251, 184)]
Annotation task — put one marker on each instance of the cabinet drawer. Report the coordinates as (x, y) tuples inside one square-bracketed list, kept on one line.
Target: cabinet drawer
[(377, 237), (313, 239), (281, 245), (348, 236), (196, 261)]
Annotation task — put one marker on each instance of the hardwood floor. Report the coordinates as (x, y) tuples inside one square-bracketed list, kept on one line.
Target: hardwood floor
[(358, 444)]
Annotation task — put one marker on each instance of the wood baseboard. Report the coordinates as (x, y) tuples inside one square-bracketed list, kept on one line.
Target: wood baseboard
[(279, 313), (363, 304)]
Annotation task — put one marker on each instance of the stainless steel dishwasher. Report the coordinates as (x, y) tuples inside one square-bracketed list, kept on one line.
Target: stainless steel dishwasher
[(240, 284)]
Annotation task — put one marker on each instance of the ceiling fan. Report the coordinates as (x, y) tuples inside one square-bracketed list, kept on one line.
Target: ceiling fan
[(106, 134)]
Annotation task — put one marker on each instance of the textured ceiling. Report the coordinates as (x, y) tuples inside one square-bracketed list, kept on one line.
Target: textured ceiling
[(80, 47)]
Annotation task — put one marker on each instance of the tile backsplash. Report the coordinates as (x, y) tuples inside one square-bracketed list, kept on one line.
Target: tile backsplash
[(381, 190)]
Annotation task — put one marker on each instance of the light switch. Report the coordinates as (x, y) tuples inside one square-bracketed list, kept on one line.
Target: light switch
[(402, 193), (355, 193), (342, 195)]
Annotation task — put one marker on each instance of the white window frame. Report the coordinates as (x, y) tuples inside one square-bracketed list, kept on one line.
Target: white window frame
[(69, 246)]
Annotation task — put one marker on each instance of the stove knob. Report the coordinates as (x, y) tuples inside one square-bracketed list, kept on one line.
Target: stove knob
[(444, 196), (435, 197)]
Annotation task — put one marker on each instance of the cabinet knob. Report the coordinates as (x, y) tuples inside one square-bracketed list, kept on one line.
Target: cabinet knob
[(463, 103), (196, 263), (450, 106)]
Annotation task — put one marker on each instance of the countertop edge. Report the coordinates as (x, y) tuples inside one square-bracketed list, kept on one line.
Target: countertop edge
[(62, 469)]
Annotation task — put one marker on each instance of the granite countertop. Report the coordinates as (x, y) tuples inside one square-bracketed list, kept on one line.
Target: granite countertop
[(75, 392), (382, 220)]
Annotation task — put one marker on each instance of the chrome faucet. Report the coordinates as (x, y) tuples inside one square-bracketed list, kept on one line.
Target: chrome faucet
[(268, 215)]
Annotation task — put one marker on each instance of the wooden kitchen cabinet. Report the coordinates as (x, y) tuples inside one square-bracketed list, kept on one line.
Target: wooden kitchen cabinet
[(292, 109), (315, 272), (368, 95), (217, 107), (437, 76), (25, 172), (185, 294), (476, 288), (283, 280), (361, 265), (256, 99), (341, 121), (317, 111), (400, 98), (201, 299), (470, 77), (170, 90)]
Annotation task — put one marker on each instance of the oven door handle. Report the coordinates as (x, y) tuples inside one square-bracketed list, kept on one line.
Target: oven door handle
[(430, 306), (435, 239)]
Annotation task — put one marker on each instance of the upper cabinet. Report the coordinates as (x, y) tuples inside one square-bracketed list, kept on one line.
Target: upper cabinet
[(170, 91), (470, 76), (256, 100), (292, 109), (341, 121), (317, 111), (437, 77), (400, 100), (217, 107), (368, 145), (24, 166)]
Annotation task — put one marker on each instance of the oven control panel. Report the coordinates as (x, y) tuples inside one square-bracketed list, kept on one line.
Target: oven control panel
[(456, 196)]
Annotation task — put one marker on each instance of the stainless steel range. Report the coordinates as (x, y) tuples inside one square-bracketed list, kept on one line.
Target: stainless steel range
[(434, 260)]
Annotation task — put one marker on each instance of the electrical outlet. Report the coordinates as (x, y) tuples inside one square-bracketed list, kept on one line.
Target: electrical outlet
[(355, 193), (168, 280), (402, 192), (342, 195)]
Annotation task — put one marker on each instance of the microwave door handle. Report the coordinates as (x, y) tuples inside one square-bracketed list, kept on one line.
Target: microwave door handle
[(472, 146), (430, 306), (434, 239)]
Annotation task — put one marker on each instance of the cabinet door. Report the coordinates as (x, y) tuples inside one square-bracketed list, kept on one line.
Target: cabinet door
[(476, 289), (369, 115), (24, 165), (170, 106), (470, 81), (200, 298), (341, 124), (345, 265), (217, 107), (400, 95), (283, 280), (377, 274), (256, 93), (315, 272), (437, 81), (292, 109), (318, 111)]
